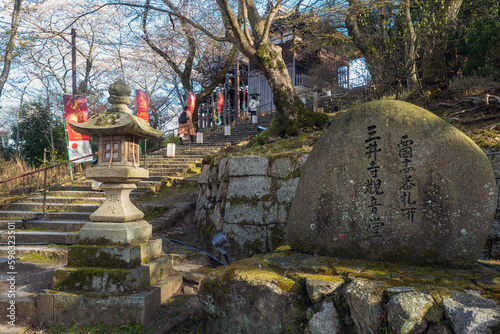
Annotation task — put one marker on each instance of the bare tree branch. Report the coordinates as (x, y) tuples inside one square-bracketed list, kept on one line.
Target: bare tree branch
[(162, 10)]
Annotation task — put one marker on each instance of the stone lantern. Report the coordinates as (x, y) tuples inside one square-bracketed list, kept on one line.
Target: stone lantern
[(118, 169), (117, 273)]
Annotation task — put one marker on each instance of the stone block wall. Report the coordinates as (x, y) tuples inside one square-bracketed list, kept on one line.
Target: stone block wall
[(248, 198)]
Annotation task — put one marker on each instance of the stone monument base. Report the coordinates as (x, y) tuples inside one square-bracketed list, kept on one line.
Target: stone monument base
[(117, 274), (111, 280), (103, 233), (85, 308)]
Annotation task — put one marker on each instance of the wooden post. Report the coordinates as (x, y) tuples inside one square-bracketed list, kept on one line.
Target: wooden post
[(73, 58), (45, 192), (237, 92), (225, 102)]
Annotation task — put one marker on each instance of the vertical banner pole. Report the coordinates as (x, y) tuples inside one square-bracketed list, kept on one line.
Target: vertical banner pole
[(73, 58), (225, 102), (144, 155), (237, 92)]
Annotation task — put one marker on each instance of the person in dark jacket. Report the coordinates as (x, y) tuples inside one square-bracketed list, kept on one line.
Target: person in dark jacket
[(186, 130)]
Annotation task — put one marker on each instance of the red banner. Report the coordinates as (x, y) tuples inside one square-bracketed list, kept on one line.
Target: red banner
[(141, 98), (220, 101), (75, 111), (191, 100)]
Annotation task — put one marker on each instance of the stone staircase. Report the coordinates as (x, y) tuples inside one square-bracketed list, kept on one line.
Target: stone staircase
[(68, 206), (188, 157), (240, 132)]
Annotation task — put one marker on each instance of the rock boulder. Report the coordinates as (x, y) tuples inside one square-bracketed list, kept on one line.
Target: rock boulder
[(392, 181)]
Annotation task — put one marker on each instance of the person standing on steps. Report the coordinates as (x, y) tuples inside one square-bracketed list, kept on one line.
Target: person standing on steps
[(186, 128), (253, 106)]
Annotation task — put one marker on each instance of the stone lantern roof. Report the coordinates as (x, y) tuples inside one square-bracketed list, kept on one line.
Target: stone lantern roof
[(119, 119)]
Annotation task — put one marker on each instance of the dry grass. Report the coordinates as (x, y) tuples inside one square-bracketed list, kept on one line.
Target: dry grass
[(473, 84), (29, 183)]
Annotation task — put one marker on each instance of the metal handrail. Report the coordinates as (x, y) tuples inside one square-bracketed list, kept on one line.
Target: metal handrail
[(45, 178)]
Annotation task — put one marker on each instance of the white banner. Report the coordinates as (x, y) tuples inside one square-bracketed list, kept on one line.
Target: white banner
[(79, 148)]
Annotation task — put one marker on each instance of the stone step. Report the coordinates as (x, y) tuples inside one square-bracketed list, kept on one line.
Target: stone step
[(8, 329), (74, 188), (232, 138), (222, 136), (25, 313), (150, 207), (54, 251), (37, 237), (87, 190), (169, 286), (53, 206), (194, 145), (174, 172), (50, 215), (243, 133), (156, 167), (68, 200), (61, 225), (143, 185), (177, 160), (178, 157), (164, 176), (181, 180), (82, 194), (159, 164), (179, 153), (191, 152), (154, 171)]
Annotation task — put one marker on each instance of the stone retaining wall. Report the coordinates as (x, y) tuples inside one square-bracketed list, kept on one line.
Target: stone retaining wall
[(248, 198)]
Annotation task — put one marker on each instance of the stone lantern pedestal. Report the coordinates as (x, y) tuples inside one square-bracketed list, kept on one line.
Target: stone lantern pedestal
[(117, 273)]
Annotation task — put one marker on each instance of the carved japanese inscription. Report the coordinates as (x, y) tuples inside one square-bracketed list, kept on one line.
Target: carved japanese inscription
[(391, 181)]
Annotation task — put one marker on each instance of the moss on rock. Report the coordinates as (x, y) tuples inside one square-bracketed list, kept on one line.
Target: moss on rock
[(259, 287)]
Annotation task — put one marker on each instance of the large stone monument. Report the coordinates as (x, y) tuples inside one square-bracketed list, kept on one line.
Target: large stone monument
[(117, 273), (391, 181)]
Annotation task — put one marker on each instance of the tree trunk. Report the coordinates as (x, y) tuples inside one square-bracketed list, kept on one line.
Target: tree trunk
[(377, 66), (9, 49), (434, 76), (214, 82), (412, 80), (496, 59), (291, 115), (83, 86)]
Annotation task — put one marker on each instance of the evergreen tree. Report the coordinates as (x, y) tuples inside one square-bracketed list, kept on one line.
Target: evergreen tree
[(39, 129)]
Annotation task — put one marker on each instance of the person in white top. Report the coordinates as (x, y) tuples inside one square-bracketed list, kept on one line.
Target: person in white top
[(253, 106)]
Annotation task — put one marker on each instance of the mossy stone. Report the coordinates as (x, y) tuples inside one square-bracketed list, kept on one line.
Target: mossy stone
[(392, 181)]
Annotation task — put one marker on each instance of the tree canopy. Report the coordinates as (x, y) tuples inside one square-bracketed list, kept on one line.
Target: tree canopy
[(167, 46)]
